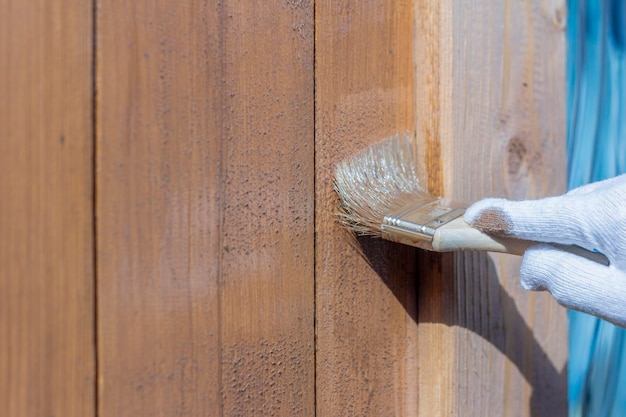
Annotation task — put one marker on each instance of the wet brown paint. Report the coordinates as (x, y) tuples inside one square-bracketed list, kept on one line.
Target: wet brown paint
[(205, 207)]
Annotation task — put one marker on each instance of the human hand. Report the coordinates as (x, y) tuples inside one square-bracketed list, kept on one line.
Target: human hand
[(592, 217)]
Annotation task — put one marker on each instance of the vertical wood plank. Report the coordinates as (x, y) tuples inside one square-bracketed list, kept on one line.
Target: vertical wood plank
[(47, 356), (496, 128), (158, 216), (205, 208), (365, 308), (267, 276)]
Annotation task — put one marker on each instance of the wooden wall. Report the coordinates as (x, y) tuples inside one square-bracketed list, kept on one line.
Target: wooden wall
[(365, 305), (47, 352), (491, 122), (205, 208), (167, 235)]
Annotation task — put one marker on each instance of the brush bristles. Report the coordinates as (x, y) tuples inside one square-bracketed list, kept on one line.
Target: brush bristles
[(378, 181)]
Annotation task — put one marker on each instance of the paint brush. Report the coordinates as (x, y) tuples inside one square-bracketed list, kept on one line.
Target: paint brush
[(381, 195)]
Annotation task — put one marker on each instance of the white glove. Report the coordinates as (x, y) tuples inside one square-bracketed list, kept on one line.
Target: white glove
[(593, 217)]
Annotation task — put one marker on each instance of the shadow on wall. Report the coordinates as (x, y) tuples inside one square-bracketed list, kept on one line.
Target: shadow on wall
[(503, 327)]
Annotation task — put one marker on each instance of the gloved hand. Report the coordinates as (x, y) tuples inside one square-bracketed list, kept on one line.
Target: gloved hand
[(593, 217)]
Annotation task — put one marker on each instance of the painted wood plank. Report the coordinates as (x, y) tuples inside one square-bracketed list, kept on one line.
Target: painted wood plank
[(205, 208), (47, 355), (366, 359), (491, 123), (267, 295)]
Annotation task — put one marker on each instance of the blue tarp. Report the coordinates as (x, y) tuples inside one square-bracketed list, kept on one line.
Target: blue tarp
[(596, 150)]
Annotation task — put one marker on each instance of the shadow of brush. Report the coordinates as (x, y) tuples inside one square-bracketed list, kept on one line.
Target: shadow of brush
[(479, 304)]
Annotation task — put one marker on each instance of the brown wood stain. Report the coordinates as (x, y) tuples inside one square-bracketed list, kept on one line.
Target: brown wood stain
[(47, 353), (205, 208), (168, 243)]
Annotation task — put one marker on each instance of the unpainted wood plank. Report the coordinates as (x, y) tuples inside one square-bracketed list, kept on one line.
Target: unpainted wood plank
[(366, 358), (489, 347), (205, 208), (47, 355)]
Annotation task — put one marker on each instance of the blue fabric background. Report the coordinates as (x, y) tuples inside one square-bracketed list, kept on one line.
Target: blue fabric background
[(596, 149)]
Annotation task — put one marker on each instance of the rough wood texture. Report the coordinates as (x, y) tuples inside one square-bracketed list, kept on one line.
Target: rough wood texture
[(490, 118), (47, 357), (205, 208), (365, 312)]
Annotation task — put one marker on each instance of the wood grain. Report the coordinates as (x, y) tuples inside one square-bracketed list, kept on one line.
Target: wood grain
[(47, 355), (267, 233), (491, 124), (205, 208), (365, 291)]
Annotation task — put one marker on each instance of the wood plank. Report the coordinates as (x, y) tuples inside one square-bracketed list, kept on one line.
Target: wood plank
[(47, 355), (158, 164), (205, 208), (365, 308), (491, 124), (267, 283)]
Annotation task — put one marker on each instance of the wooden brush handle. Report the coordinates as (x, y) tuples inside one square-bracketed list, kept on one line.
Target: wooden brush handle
[(458, 235)]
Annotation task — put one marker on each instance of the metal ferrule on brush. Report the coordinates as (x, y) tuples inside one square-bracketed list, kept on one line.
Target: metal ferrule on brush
[(416, 224)]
